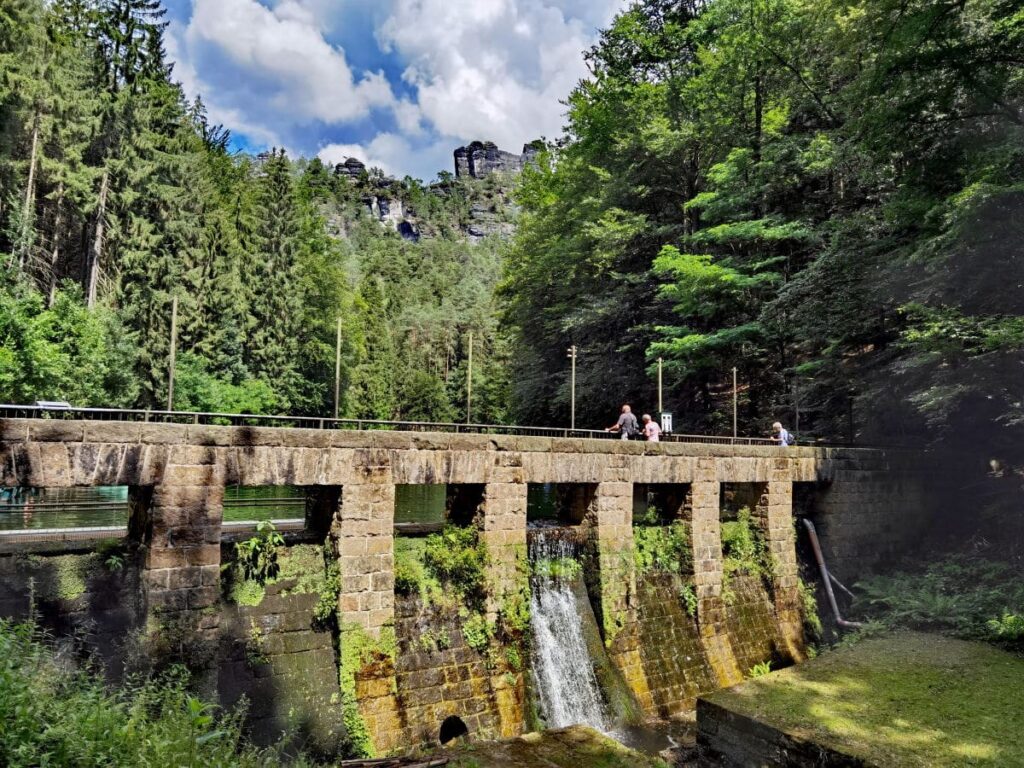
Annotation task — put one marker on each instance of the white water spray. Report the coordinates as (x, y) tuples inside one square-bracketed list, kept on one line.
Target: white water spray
[(566, 684)]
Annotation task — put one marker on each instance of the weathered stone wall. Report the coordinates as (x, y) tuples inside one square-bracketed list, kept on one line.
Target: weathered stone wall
[(872, 509), (177, 474), (87, 596), (277, 657), (727, 739), (439, 675)]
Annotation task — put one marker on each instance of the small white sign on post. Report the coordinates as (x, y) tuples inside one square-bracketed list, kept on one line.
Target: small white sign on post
[(666, 421)]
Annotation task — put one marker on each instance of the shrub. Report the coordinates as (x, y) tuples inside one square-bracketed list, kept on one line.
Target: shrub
[(457, 559), (257, 557), (662, 548), (966, 596), (50, 716), (742, 547)]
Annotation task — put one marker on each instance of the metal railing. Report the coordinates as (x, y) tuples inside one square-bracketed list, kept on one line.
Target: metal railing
[(317, 422)]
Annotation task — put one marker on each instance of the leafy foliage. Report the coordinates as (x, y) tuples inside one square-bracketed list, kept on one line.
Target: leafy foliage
[(824, 195), (257, 556), (53, 716), (964, 595), (662, 548)]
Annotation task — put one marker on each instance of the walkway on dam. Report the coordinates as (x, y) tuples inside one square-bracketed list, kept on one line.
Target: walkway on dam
[(317, 422)]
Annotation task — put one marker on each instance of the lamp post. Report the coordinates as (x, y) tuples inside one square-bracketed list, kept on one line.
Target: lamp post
[(174, 350), (735, 407), (469, 382), (337, 370), (572, 388), (660, 407)]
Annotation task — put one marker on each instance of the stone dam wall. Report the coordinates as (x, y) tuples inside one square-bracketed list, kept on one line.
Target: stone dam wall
[(329, 652)]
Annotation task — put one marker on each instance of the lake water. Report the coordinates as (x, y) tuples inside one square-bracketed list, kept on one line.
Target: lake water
[(107, 506)]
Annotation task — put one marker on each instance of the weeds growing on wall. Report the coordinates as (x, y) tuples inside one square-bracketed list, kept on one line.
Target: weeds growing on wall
[(663, 548), (52, 716), (743, 552), (963, 595), (357, 650), (257, 556), (443, 567)]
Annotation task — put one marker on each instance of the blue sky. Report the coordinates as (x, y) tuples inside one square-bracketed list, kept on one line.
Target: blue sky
[(397, 83)]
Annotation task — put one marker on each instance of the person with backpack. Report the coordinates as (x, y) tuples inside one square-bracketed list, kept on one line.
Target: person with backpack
[(627, 425), (781, 434)]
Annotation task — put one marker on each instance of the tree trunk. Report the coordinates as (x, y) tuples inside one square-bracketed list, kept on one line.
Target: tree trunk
[(30, 196), (55, 253), (97, 243)]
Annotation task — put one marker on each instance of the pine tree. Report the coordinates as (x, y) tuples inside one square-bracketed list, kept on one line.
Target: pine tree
[(275, 305)]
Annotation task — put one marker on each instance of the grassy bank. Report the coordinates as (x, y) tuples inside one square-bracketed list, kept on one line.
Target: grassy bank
[(908, 699)]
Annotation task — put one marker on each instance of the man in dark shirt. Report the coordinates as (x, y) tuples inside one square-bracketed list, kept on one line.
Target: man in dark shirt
[(627, 425)]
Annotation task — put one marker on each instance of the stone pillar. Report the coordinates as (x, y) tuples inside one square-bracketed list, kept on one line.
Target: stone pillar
[(612, 515), (363, 535), (704, 505), (508, 581), (775, 516), (504, 533), (365, 546), (181, 534)]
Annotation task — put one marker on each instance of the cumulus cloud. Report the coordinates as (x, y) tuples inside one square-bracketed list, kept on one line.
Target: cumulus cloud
[(494, 69), (280, 72), (271, 69)]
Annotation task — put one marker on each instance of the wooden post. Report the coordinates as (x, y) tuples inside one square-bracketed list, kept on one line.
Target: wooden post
[(660, 408), (174, 349), (735, 407), (469, 382), (572, 389), (796, 407), (337, 370)]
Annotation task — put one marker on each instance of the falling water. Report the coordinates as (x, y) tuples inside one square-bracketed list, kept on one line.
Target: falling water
[(566, 684)]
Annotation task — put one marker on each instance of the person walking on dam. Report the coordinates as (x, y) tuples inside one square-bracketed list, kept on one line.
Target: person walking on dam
[(781, 434), (627, 425), (651, 429)]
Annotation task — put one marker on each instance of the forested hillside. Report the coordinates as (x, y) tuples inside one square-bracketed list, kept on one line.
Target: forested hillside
[(827, 195), (117, 194)]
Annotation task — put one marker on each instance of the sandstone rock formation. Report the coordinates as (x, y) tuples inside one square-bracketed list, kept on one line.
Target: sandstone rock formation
[(480, 159), (352, 168)]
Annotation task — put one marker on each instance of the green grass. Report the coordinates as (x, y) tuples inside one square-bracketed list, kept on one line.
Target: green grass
[(907, 699)]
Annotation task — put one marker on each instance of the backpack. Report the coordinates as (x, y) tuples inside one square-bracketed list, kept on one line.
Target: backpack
[(790, 439)]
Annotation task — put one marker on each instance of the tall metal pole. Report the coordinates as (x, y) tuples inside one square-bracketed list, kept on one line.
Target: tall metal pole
[(174, 350), (337, 370), (572, 388), (796, 407), (735, 400), (659, 388), (469, 382)]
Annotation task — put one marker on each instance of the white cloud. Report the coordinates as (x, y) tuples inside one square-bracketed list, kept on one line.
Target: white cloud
[(395, 155), (494, 69), (270, 70), (473, 69)]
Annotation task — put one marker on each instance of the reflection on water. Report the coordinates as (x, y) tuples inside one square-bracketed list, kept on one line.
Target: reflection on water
[(420, 503), (107, 506)]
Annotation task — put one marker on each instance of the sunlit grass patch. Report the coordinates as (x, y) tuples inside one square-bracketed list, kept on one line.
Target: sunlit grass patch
[(903, 699)]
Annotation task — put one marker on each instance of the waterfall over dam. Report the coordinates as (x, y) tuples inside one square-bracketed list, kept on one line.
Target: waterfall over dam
[(566, 683)]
